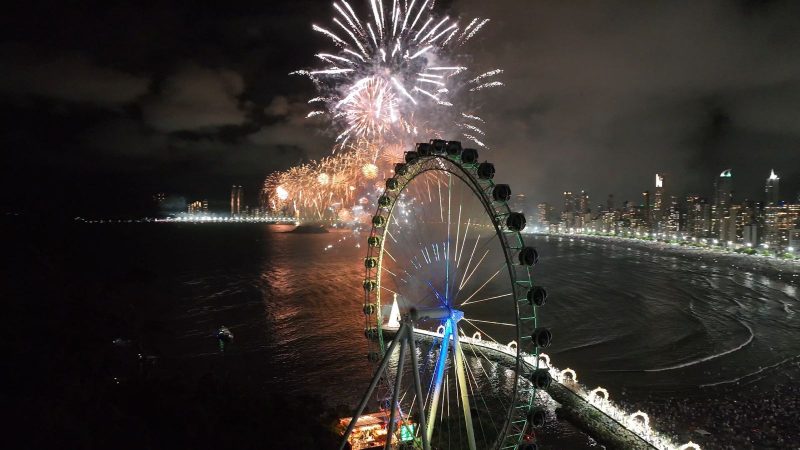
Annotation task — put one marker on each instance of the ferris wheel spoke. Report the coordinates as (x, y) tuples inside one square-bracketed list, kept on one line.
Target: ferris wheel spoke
[(486, 299), (390, 256), (385, 288), (465, 279), (441, 209), (494, 323), (447, 255), (464, 242), (436, 293), (483, 285), (483, 333), (475, 387), (460, 361), (458, 234), (484, 357)]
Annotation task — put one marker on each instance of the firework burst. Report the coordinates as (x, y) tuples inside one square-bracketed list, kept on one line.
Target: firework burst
[(391, 78), (393, 75)]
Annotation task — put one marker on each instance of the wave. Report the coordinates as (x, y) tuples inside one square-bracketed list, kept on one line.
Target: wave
[(710, 357), (736, 380)]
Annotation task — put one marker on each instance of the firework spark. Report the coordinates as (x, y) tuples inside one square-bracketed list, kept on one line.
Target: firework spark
[(392, 77)]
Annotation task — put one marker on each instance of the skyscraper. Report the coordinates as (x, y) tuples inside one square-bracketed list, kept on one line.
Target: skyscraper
[(583, 203), (521, 203), (658, 203), (545, 215), (568, 213), (772, 189), (236, 200), (569, 202), (723, 196)]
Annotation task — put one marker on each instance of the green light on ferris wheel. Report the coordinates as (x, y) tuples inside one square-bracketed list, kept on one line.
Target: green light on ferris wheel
[(407, 432)]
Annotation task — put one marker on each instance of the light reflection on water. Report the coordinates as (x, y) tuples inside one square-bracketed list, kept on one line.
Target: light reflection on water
[(624, 318)]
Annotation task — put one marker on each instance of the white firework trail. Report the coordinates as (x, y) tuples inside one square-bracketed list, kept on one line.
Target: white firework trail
[(393, 76), (473, 128), (487, 85), (410, 48), (474, 139), (488, 74), (471, 117)]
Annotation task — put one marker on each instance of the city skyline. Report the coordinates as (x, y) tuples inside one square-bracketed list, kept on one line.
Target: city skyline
[(769, 221)]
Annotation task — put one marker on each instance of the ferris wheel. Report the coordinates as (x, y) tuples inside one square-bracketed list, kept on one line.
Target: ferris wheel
[(449, 309)]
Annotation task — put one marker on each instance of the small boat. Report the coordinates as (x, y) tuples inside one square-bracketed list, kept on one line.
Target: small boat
[(224, 336)]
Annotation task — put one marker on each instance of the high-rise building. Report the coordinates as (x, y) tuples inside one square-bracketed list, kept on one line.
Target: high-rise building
[(545, 214), (751, 235), (772, 189), (672, 222), (236, 200), (646, 209), (794, 240), (568, 212), (779, 221), (583, 203), (582, 210), (569, 202), (198, 207), (658, 204), (698, 216), (723, 196), (610, 203), (522, 203)]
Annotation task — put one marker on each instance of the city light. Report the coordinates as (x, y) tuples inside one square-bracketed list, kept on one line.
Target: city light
[(773, 226)]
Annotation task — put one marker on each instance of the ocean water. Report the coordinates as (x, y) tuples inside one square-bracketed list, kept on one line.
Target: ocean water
[(640, 323)]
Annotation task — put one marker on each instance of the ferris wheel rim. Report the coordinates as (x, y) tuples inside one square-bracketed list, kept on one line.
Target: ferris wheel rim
[(493, 210)]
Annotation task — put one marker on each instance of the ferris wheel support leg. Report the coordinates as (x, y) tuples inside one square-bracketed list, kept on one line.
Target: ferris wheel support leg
[(396, 394), (375, 379), (462, 385), (426, 445), (441, 366)]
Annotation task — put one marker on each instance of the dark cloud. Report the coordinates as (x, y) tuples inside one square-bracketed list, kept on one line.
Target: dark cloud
[(602, 95), (196, 98), (68, 77)]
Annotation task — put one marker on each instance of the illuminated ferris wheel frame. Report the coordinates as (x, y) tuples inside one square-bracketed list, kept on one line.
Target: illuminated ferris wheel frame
[(449, 157)]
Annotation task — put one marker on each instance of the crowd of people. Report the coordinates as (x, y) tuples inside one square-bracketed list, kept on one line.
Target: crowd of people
[(746, 418)]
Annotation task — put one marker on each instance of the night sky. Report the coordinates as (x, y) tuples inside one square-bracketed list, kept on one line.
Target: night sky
[(104, 105)]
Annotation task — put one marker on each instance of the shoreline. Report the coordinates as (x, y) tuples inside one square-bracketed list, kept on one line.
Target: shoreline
[(784, 269)]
